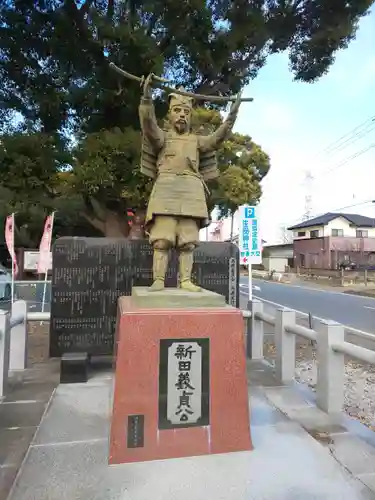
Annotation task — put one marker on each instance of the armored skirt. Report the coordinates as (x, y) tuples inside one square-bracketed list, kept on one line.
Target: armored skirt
[(179, 195)]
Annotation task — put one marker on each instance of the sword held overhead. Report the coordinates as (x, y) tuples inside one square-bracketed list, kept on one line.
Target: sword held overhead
[(167, 85)]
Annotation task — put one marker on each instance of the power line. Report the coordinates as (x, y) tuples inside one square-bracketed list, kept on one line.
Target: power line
[(339, 144), (353, 139), (346, 140), (349, 206), (336, 143), (350, 158)]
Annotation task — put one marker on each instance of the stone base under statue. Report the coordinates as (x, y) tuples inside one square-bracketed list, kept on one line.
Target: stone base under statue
[(180, 384), (171, 298)]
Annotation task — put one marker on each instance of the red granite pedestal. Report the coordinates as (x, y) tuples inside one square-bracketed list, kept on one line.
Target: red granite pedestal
[(152, 387)]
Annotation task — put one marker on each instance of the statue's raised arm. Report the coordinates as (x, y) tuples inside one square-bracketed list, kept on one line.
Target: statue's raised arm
[(213, 141), (149, 124), (153, 136)]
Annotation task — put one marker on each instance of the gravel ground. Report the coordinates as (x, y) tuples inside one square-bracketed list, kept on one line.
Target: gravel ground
[(38, 345), (359, 393)]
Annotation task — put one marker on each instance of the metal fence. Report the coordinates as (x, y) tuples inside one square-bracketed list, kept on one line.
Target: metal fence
[(339, 276), (32, 292)]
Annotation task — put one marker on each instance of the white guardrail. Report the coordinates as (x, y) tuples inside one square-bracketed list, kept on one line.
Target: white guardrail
[(13, 339), (328, 335), (331, 349)]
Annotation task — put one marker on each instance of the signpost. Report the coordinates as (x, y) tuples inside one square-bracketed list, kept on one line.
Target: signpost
[(250, 244)]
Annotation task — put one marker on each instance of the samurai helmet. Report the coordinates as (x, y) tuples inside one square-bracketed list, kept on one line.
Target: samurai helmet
[(180, 100)]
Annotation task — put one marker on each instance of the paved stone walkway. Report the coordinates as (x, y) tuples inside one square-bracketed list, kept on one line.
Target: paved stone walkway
[(68, 455), (21, 412)]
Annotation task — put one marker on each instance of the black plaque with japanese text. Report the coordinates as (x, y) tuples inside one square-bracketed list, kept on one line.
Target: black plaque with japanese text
[(136, 431), (89, 274), (184, 383)]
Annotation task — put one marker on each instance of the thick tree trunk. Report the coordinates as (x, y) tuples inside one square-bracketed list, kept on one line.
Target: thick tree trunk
[(115, 225), (111, 224)]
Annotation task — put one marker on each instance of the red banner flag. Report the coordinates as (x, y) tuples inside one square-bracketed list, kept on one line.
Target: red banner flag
[(45, 245), (9, 238)]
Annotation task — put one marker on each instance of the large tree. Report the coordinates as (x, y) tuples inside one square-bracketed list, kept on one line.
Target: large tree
[(55, 78), (54, 53)]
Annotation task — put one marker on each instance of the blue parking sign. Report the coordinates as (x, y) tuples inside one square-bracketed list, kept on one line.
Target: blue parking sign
[(249, 212), (249, 239)]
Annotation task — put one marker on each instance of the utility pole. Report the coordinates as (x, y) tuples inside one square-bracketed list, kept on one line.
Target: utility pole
[(308, 182)]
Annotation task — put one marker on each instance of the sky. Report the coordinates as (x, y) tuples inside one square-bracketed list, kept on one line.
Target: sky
[(296, 122)]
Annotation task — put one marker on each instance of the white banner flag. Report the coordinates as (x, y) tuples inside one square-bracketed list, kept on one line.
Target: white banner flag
[(45, 245), (9, 238)]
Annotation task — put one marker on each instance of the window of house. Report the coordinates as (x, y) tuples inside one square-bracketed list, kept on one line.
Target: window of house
[(361, 233), (314, 234), (337, 232), (301, 233)]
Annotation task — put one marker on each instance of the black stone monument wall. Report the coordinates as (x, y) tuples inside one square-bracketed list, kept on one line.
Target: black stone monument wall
[(89, 274)]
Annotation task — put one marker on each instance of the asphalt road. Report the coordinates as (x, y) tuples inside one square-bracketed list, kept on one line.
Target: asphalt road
[(355, 312)]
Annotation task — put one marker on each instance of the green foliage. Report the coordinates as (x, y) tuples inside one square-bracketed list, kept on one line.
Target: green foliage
[(29, 181), (32, 185), (107, 167), (237, 187), (29, 163), (55, 53)]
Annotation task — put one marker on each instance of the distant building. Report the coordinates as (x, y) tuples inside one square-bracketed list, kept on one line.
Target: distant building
[(328, 241), (277, 257)]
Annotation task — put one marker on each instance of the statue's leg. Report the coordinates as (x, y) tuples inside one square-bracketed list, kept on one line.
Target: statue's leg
[(160, 264), (162, 237), (187, 240)]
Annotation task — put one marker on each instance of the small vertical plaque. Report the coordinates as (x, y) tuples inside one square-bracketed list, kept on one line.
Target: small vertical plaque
[(136, 431), (232, 282), (184, 383)]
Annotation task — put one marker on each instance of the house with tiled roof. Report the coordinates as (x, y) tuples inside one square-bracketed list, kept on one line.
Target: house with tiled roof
[(327, 241)]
